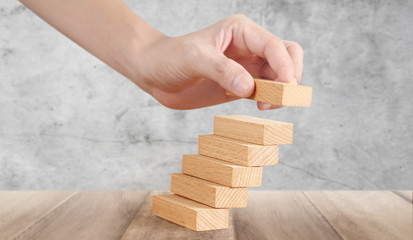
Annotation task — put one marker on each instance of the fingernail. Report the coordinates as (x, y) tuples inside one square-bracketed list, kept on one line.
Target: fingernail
[(241, 85), (266, 106)]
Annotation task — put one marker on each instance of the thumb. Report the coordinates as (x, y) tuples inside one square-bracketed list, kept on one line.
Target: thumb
[(226, 72)]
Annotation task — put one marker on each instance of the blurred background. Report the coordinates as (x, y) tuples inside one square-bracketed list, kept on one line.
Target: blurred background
[(68, 121)]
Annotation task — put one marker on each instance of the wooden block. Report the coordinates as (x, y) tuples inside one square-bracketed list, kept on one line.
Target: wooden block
[(254, 130), (188, 213), (282, 94), (209, 193), (146, 225), (221, 172), (235, 151)]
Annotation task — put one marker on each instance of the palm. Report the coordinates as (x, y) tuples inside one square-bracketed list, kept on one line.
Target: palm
[(206, 92)]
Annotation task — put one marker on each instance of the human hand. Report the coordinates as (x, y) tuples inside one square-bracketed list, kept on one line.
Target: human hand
[(196, 70), (191, 71)]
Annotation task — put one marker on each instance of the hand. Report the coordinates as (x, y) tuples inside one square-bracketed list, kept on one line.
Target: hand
[(195, 70), (185, 72)]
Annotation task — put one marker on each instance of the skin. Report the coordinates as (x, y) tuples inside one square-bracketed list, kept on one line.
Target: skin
[(185, 72)]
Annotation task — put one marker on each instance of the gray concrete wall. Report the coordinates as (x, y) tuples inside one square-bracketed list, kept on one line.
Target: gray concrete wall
[(67, 121)]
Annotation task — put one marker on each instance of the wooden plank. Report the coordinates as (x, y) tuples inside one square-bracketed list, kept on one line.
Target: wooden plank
[(242, 153), (209, 193), (188, 213), (282, 94), (145, 225), (21, 209), (221, 172), (408, 195), (281, 215), (89, 215), (365, 214), (254, 130)]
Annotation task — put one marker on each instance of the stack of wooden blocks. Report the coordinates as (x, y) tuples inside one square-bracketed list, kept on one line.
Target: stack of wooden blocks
[(229, 161)]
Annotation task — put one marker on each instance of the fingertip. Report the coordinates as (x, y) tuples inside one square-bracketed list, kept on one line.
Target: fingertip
[(298, 77), (292, 80), (267, 106)]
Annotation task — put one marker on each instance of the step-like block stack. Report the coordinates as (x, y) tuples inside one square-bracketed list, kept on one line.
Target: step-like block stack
[(229, 161)]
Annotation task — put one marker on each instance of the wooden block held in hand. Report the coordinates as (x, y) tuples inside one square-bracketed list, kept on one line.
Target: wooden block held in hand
[(235, 151), (221, 172), (254, 130), (188, 213), (209, 193), (282, 94)]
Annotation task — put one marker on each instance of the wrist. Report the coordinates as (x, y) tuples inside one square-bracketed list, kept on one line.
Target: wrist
[(141, 56), (130, 45)]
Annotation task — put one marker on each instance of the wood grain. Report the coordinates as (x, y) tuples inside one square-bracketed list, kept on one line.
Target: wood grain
[(188, 213), (89, 215), (281, 215), (145, 225), (221, 172), (20, 210), (269, 215), (365, 214), (235, 151), (282, 94), (253, 130), (209, 193)]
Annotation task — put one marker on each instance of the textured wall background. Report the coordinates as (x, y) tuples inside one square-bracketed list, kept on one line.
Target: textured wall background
[(67, 121)]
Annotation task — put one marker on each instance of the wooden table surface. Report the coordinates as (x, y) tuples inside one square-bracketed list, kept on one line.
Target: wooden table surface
[(127, 215)]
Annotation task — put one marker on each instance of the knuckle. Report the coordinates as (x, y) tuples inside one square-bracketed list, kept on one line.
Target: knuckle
[(273, 44), (223, 67), (238, 19), (276, 41), (297, 46)]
